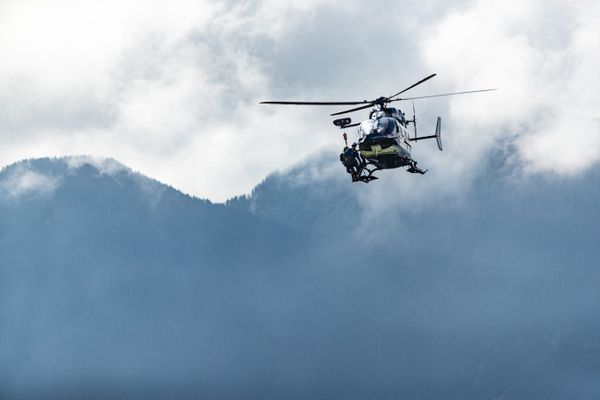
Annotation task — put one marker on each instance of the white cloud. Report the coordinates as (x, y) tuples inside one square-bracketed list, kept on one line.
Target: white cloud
[(542, 57), (171, 89), (23, 181), (103, 165)]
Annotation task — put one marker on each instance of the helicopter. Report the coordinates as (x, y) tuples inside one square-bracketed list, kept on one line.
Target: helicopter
[(383, 139)]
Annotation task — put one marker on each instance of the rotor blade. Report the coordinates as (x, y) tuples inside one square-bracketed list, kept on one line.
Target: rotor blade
[(353, 109), (445, 94), (412, 86), (315, 103)]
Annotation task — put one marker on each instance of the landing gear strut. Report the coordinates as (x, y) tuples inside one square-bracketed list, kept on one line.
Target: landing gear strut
[(413, 169), (365, 174)]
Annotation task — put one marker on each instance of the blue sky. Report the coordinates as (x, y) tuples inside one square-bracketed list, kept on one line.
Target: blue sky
[(172, 89)]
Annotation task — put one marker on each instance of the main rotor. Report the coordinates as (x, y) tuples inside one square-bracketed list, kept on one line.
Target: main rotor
[(380, 101)]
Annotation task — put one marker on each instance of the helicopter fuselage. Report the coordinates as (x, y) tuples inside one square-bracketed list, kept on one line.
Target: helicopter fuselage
[(383, 139)]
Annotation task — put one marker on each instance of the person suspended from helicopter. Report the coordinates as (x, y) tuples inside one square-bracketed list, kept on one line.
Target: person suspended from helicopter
[(353, 161)]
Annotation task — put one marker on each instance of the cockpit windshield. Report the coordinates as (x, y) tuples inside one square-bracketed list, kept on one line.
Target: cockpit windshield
[(384, 126)]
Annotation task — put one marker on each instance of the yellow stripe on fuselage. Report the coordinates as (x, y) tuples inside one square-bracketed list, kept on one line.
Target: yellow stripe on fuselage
[(376, 151)]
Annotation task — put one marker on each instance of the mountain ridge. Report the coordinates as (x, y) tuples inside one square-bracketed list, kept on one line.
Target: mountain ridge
[(112, 286)]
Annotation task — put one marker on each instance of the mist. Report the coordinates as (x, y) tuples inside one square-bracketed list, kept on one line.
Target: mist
[(106, 294)]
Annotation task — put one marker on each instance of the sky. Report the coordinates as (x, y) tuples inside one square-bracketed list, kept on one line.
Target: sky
[(171, 89)]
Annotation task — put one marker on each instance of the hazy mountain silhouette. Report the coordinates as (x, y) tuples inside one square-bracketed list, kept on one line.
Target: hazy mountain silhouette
[(303, 197), (113, 285)]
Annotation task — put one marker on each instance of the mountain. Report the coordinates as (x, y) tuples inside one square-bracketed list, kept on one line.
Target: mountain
[(113, 285), (304, 197)]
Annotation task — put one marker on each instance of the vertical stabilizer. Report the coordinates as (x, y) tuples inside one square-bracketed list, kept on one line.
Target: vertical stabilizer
[(438, 133)]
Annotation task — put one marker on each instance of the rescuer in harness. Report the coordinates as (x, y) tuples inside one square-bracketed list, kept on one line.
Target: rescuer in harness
[(352, 161)]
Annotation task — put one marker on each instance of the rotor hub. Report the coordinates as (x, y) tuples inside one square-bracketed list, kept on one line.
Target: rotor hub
[(381, 101)]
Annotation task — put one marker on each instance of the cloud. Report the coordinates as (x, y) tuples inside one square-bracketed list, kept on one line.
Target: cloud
[(540, 55), (105, 166), (172, 90), (22, 181)]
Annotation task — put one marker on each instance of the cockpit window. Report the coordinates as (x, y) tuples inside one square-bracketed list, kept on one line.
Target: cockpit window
[(386, 126), (366, 127), (379, 127)]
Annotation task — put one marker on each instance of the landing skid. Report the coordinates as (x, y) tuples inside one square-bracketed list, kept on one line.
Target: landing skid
[(413, 169), (365, 174), (366, 171), (364, 178)]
